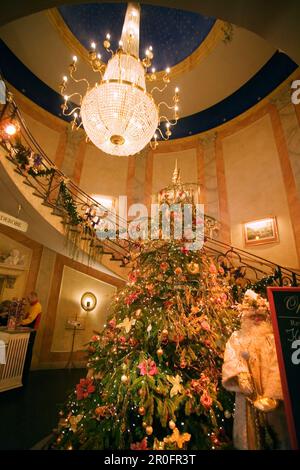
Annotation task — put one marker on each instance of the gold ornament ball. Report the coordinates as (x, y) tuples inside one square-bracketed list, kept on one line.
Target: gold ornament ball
[(227, 414), (159, 352), (149, 430), (138, 313), (141, 410), (124, 379), (144, 424), (172, 425), (165, 332), (193, 268), (178, 271)]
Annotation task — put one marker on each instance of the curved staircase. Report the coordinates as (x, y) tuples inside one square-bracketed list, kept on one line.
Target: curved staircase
[(58, 207)]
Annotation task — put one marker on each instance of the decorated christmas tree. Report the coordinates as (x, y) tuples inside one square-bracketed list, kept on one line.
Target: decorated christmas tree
[(154, 372)]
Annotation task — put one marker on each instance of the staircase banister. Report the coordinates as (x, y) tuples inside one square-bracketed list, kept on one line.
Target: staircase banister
[(249, 255)]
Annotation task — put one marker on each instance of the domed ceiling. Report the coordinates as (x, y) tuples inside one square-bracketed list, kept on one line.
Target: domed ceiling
[(222, 70), (174, 34)]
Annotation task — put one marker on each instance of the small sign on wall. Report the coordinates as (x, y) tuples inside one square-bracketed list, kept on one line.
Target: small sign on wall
[(13, 222)]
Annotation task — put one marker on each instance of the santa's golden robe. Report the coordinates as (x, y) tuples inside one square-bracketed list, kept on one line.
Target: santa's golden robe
[(251, 352)]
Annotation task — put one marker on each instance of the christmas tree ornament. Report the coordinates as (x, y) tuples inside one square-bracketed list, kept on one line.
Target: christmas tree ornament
[(177, 438), (149, 430), (141, 410), (176, 385), (227, 414), (178, 271), (142, 445), (193, 268), (159, 352), (127, 323), (144, 424), (164, 266), (138, 313), (172, 424), (158, 445), (74, 420), (124, 379)]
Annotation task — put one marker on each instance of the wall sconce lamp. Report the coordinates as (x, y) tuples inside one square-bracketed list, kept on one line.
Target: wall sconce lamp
[(88, 301)]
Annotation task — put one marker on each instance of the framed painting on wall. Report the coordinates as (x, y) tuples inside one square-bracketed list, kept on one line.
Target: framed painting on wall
[(259, 232)]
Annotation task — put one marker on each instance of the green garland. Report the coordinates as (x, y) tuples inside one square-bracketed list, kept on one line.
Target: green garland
[(68, 204), (22, 155)]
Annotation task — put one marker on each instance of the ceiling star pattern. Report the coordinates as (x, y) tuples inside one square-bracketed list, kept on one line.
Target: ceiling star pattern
[(174, 34)]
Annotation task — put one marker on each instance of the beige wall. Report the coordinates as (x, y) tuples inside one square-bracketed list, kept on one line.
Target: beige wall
[(164, 163), (73, 285), (47, 137), (256, 189), (103, 174)]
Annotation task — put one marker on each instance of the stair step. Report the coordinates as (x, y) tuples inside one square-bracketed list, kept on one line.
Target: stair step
[(36, 193)]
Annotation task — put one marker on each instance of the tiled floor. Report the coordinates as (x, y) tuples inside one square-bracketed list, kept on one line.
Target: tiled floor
[(29, 414)]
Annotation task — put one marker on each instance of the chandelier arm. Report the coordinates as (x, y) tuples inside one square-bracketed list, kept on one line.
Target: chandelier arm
[(158, 89), (71, 112), (166, 104), (74, 94), (79, 126), (168, 121), (78, 80), (109, 51), (98, 70), (162, 136)]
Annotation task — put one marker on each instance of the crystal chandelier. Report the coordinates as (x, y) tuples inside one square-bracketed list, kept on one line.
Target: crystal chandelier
[(118, 114)]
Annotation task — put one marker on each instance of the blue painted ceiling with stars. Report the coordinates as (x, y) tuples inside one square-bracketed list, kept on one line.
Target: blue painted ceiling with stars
[(173, 34)]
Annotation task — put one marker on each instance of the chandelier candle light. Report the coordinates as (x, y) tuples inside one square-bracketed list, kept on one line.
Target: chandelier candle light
[(118, 114)]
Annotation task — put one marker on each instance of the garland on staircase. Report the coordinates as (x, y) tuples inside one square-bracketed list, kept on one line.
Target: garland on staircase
[(29, 162), (66, 201)]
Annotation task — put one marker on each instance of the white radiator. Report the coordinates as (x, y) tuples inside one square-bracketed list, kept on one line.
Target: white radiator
[(16, 348)]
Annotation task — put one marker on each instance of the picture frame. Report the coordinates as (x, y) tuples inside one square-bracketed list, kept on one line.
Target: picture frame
[(261, 231)]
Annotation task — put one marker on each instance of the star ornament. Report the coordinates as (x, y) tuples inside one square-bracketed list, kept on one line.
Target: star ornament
[(177, 438), (176, 382), (127, 323), (74, 420)]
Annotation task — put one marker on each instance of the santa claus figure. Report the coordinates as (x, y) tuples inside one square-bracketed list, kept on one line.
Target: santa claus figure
[(251, 370)]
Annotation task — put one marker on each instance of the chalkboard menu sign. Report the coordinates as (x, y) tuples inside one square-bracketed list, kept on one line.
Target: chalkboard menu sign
[(285, 312)]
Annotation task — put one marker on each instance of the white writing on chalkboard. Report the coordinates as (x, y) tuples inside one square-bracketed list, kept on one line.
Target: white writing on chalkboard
[(292, 303), (296, 354)]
